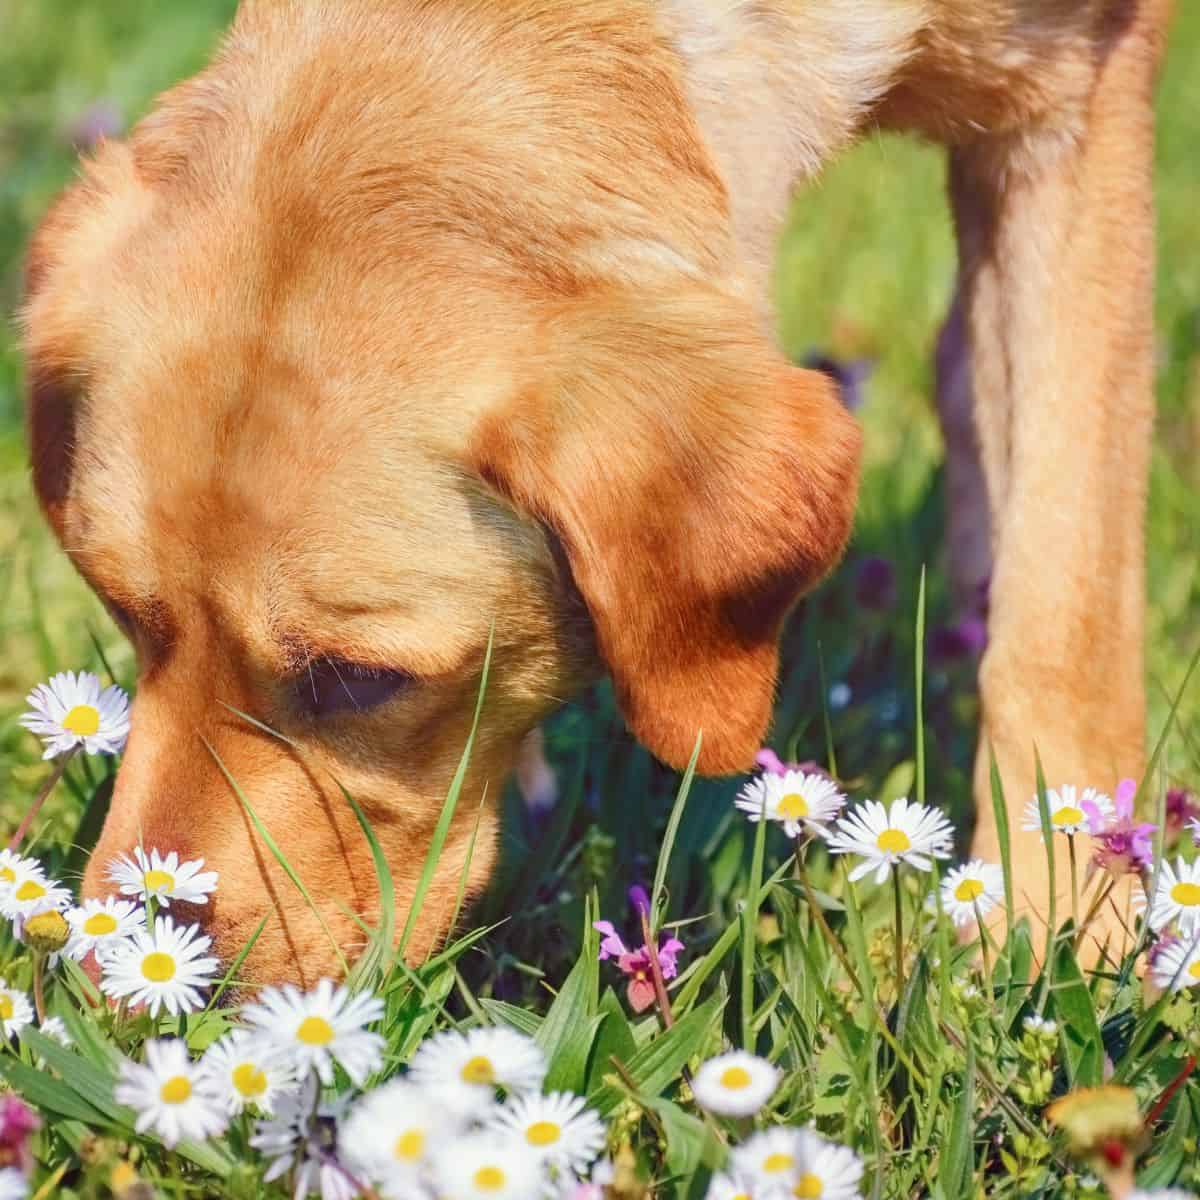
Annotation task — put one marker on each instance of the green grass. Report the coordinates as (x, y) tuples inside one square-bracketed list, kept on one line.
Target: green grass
[(939, 1096)]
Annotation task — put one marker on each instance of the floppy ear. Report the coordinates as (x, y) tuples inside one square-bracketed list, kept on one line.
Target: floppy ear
[(699, 484)]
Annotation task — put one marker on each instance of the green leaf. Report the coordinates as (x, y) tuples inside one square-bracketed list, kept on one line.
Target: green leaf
[(521, 1019), (45, 1092), (750, 931), (958, 1157), (1076, 1012), (691, 1143), (614, 1040), (1003, 833), (658, 1064), (575, 1003)]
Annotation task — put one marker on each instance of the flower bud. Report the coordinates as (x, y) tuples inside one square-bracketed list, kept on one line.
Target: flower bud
[(47, 932)]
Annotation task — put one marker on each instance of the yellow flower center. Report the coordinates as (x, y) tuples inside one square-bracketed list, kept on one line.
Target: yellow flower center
[(83, 720), (176, 1090), (6, 1007), (1187, 894), (409, 1146), (98, 924), (1067, 815), (543, 1133), (489, 1179), (776, 1164), (249, 1080), (8, 875), (479, 1070), (153, 880), (30, 890), (893, 841), (736, 1079), (968, 890), (158, 967), (315, 1031), (1194, 969), (809, 1186), (793, 806)]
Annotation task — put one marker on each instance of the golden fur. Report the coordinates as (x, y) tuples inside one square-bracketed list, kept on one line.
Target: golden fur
[(404, 322)]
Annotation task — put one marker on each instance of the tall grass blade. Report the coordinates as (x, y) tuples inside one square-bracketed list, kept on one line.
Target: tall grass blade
[(658, 899), (442, 829)]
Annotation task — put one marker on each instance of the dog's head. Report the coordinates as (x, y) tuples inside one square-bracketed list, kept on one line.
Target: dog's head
[(382, 338)]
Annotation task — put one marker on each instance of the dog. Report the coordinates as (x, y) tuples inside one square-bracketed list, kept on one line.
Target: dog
[(409, 330)]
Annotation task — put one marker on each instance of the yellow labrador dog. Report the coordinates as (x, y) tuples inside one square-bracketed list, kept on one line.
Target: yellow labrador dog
[(408, 318)]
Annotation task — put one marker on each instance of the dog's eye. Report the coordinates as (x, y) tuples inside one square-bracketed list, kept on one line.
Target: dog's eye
[(331, 686)]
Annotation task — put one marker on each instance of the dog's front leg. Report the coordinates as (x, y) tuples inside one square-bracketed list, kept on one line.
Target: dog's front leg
[(1056, 240)]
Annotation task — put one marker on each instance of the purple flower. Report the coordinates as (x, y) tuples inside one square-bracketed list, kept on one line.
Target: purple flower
[(638, 964), (1123, 845), (17, 1122), (875, 584), (951, 644), (1194, 829), (1182, 813)]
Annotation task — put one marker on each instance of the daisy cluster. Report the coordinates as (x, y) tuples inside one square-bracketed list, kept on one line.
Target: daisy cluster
[(808, 805), (467, 1120)]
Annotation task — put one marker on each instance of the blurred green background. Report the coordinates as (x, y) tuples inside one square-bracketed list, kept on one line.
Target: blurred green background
[(866, 266)]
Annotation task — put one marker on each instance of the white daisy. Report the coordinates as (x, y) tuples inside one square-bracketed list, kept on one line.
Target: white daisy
[(735, 1085), (13, 1185), (100, 925), (29, 894), (14, 867), (72, 710), (464, 1070), (796, 799), (972, 891), (826, 1170), (1177, 897), (885, 837), (164, 969), (732, 1187), (1068, 813), (324, 1026), (302, 1134), (770, 1158), (15, 1010), (169, 1095), (246, 1072), (487, 1167), (1177, 966), (559, 1128), (162, 878), (389, 1133)]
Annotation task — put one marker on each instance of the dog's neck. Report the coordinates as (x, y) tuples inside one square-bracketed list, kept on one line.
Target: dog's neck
[(778, 87)]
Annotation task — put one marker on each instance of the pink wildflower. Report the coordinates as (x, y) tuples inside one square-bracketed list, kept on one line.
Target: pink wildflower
[(1182, 813), (772, 764), (1194, 829), (1122, 845), (17, 1122), (637, 964)]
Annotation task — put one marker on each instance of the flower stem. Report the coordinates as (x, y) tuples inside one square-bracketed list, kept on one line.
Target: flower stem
[(660, 986), (60, 769), (899, 935), (39, 985), (1074, 882), (983, 945), (818, 913)]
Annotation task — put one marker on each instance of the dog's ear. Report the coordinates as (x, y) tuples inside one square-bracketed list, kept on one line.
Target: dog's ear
[(699, 484)]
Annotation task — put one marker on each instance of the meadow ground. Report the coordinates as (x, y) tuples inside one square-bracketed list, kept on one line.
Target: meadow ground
[(953, 1091)]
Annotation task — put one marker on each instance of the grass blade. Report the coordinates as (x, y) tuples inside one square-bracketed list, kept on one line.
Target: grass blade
[(658, 900), (442, 829)]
